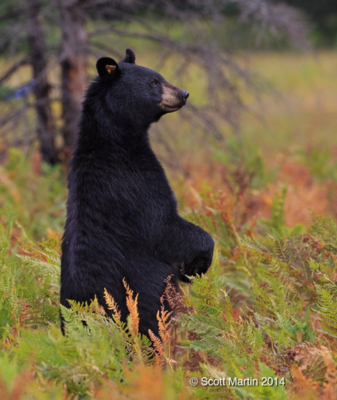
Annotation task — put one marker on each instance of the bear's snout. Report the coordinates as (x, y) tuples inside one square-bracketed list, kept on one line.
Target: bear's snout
[(173, 98)]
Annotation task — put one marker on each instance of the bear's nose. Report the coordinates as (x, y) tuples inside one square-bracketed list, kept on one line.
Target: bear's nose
[(184, 95)]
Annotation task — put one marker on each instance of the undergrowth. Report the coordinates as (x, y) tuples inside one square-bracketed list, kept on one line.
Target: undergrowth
[(265, 311)]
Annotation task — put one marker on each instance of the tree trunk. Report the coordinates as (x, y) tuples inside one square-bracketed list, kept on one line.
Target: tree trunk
[(73, 68), (38, 59)]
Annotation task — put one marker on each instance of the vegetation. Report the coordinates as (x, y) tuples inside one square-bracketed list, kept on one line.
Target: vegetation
[(266, 309)]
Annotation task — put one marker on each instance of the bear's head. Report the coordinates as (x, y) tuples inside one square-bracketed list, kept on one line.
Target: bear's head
[(139, 91)]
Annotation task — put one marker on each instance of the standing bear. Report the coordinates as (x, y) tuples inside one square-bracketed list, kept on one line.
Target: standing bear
[(122, 218)]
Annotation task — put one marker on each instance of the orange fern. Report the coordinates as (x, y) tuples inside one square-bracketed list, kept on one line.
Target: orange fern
[(132, 305), (112, 305)]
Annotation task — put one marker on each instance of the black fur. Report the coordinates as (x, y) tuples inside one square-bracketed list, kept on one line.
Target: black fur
[(122, 219)]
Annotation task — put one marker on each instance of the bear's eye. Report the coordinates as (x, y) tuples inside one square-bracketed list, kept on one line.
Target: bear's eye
[(154, 82)]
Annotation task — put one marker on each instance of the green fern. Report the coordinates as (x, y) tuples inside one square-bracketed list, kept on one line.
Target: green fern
[(277, 220), (327, 309), (326, 230)]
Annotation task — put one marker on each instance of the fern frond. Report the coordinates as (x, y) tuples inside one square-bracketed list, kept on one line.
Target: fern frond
[(112, 305), (165, 325), (325, 228), (157, 344), (277, 210), (280, 250), (330, 375), (160, 357), (327, 309), (132, 305)]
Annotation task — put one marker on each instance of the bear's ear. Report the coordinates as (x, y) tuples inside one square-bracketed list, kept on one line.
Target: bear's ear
[(129, 57), (106, 67)]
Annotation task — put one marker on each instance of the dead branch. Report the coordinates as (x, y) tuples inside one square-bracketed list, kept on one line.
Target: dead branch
[(14, 68)]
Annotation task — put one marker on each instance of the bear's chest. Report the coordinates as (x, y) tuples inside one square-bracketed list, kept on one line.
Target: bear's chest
[(118, 199), (139, 201), (144, 190)]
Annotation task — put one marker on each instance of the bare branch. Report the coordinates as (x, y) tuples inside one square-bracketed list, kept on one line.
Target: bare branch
[(14, 68), (277, 18), (224, 76)]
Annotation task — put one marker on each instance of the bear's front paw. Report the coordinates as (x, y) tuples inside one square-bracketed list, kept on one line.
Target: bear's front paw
[(182, 272), (198, 266), (203, 260)]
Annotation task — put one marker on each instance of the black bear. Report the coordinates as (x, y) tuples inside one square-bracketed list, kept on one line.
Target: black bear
[(122, 219)]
